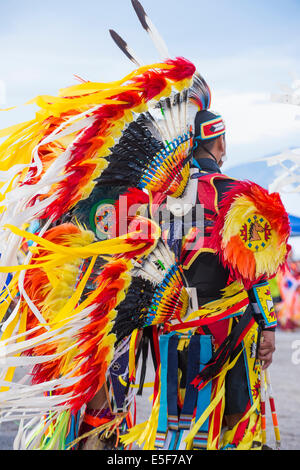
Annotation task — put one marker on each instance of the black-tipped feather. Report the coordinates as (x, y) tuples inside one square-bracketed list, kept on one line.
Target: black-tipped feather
[(131, 156), (133, 309), (124, 47), (141, 14), (150, 28)]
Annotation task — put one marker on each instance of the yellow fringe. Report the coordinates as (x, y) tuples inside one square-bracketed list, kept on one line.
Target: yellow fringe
[(144, 433), (247, 440), (146, 385), (231, 296)]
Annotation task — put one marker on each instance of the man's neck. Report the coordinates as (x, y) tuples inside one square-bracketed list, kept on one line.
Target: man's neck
[(206, 155)]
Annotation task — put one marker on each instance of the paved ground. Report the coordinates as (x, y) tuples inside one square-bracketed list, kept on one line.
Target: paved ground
[(285, 375)]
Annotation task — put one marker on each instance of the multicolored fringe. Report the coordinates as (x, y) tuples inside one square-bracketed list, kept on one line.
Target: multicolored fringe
[(199, 424), (157, 294), (62, 298), (73, 133), (71, 347)]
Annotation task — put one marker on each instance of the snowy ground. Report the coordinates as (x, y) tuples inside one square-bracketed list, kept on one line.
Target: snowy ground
[(285, 376)]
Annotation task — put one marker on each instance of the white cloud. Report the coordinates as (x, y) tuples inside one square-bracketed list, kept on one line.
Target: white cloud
[(251, 117), (256, 126)]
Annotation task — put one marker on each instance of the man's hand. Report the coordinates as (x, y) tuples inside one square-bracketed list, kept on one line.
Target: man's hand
[(266, 348)]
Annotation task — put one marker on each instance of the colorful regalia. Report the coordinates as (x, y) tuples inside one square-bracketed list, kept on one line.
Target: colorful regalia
[(101, 246)]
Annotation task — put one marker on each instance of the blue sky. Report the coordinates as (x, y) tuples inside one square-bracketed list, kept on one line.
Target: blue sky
[(246, 50), (73, 36)]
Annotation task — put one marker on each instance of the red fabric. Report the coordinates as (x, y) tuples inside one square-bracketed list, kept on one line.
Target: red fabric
[(213, 322)]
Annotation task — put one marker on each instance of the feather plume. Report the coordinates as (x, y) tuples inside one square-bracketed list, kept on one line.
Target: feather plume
[(157, 293), (199, 93), (250, 257), (125, 48), (93, 142)]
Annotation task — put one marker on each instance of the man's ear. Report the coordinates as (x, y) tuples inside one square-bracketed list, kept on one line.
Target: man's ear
[(221, 144), (218, 148)]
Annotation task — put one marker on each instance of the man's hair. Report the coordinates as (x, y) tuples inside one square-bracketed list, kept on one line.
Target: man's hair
[(200, 151)]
